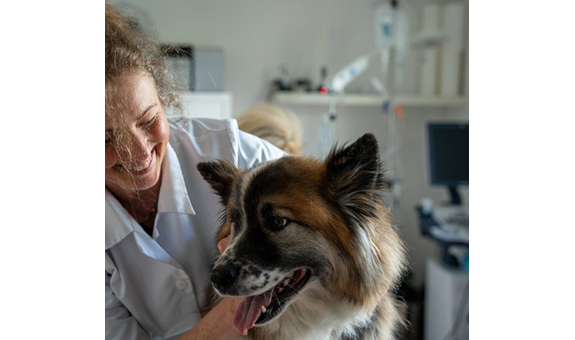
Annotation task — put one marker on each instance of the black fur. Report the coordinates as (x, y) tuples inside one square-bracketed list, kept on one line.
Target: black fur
[(220, 175), (355, 176)]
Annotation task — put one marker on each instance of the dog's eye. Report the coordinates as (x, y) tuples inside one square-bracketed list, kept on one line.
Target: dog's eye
[(278, 223)]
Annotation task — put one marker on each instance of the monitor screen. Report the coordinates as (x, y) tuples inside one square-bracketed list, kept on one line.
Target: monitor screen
[(449, 153)]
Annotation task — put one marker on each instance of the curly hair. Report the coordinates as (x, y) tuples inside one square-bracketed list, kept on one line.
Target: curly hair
[(129, 51), (277, 125)]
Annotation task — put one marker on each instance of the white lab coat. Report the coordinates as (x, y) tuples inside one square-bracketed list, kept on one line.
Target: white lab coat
[(155, 286)]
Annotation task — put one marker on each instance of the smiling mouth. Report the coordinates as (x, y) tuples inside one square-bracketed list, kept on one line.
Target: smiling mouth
[(262, 308), (143, 168)]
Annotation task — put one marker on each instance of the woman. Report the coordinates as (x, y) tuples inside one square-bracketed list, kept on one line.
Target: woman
[(161, 217)]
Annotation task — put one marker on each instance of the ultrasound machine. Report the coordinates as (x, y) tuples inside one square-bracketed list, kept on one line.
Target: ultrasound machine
[(447, 224), (446, 308)]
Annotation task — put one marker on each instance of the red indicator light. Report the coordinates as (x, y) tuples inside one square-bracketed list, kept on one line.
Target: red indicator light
[(323, 90)]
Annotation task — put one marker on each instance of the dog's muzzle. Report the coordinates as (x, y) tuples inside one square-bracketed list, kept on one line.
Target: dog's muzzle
[(223, 277)]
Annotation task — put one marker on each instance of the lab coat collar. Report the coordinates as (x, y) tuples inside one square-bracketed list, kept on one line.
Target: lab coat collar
[(174, 198), (119, 223)]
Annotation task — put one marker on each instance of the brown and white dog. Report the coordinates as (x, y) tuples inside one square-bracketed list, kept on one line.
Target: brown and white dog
[(313, 248)]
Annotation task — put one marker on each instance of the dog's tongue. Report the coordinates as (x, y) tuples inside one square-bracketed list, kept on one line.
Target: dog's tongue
[(250, 310)]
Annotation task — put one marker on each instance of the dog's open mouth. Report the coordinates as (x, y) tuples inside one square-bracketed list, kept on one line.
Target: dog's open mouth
[(259, 309)]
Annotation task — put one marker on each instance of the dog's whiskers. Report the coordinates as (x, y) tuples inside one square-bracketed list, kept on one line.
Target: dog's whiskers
[(279, 302), (292, 288)]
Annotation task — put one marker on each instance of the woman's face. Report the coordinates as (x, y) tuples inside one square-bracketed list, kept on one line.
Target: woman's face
[(137, 135)]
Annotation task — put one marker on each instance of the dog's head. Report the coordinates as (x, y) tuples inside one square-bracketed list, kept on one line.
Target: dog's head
[(296, 220)]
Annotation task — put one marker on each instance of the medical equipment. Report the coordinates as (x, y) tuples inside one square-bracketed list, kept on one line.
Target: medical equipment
[(349, 73), (391, 28), (335, 89)]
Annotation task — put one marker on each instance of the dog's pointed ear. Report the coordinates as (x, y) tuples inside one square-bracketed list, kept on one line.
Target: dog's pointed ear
[(355, 175), (221, 175)]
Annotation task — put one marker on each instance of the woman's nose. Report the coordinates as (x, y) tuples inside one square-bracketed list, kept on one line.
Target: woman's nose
[(135, 150)]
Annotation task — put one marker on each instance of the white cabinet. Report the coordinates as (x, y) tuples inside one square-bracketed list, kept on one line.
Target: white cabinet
[(216, 105), (446, 302)]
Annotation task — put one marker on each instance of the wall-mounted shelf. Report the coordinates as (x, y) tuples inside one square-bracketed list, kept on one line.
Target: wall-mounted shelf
[(312, 99)]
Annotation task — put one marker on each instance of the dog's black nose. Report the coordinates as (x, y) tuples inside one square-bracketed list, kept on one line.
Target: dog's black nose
[(223, 277)]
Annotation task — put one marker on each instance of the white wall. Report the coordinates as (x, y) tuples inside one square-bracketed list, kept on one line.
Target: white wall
[(259, 35)]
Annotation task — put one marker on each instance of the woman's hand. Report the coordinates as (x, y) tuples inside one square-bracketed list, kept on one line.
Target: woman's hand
[(218, 323)]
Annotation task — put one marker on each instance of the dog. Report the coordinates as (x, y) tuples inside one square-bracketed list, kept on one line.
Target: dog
[(312, 246)]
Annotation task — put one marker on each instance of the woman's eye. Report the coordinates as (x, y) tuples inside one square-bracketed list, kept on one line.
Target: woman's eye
[(150, 122)]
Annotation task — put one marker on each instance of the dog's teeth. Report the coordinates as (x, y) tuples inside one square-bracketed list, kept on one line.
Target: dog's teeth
[(286, 282), (264, 309), (280, 289)]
